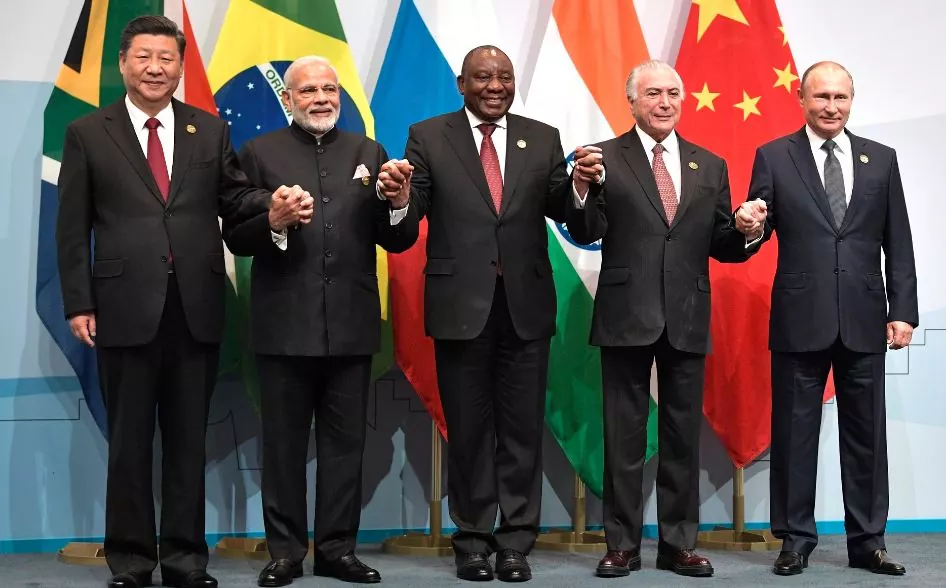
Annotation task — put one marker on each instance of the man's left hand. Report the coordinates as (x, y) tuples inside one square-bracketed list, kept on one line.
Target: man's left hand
[(899, 334), (589, 167), (395, 182)]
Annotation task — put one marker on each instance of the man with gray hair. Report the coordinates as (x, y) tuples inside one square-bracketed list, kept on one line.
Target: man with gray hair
[(316, 318), (663, 212)]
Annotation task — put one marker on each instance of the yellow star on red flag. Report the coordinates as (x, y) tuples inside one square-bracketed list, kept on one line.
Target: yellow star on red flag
[(748, 105), (705, 98), (785, 77), (710, 9)]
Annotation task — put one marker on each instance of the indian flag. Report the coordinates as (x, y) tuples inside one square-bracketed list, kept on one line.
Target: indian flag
[(589, 49)]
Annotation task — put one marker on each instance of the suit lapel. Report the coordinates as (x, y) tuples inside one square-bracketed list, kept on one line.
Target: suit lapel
[(800, 152), (858, 148), (183, 147), (688, 178), (460, 136), (633, 152), (118, 126), (516, 128)]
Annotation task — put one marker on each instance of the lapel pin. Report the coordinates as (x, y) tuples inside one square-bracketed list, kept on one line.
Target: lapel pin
[(521, 143), (191, 129), (364, 180), (864, 158), (694, 165)]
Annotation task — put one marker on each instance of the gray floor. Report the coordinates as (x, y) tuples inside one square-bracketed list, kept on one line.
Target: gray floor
[(922, 554)]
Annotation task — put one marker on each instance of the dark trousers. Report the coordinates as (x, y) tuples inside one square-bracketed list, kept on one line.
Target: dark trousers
[(626, 393), (173, 376), (492, 389), (798, 381), (335, 391)]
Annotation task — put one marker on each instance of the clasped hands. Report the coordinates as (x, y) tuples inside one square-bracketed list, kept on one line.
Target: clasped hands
[(394, 182), (750, 218), (290, 207), (589, 168)]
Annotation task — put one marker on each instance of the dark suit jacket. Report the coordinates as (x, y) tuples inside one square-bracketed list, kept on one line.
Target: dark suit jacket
[(319, 297), (655, 275), (106, 188), (467, 239), (828, 279)]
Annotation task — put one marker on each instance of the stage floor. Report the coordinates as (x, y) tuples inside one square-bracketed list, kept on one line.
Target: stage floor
[(923, 555)]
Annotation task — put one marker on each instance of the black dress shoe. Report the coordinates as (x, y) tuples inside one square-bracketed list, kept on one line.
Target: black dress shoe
[(474, 567), (129, 580), (617, 564), (685, 562), (279, 572), (195, 579), (347, 568), (790, 563), (511, 566), (878, 562)]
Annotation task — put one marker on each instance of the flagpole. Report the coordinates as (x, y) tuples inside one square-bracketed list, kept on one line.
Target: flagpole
[(737, 538), (434, 543), (578, 539)]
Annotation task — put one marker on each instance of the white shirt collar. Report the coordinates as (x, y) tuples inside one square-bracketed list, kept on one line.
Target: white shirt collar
[(139, 118), (670, 143), (476, 121), (842, 141)]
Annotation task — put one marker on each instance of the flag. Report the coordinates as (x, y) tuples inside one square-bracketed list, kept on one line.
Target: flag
[(396, 105), (590, 50), (246, 78), (88, 79), (741, 83)]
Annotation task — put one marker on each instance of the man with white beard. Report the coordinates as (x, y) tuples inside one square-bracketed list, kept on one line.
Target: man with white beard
[(316, 318)]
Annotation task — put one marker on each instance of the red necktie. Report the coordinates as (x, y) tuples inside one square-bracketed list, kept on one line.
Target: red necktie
[(668, 194), (490, 161), (156, 161)]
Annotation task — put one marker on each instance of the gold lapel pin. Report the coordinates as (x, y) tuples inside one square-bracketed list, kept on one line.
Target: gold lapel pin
[(864, 158), (521, 143), (191, 129), (364, 180), (694, 165)]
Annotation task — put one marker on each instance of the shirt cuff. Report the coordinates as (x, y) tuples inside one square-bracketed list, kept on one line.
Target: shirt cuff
[(377, 190), (579, 201), (752, 243), (281, 239), (398, 214)]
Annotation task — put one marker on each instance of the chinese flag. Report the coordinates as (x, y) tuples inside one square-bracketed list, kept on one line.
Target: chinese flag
[(741, 85)]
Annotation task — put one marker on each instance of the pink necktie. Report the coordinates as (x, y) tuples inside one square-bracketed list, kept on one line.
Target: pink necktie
[(490, 161), (156, 161), (668, 194)]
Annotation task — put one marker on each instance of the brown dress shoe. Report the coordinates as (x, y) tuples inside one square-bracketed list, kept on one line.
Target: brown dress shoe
[(878, 562), (685, 562), (616, 564)]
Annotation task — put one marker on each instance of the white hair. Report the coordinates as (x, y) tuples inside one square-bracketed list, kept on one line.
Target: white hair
[(302, 61), (631, 87)]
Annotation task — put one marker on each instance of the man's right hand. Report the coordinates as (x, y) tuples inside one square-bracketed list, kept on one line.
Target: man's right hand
[(290, 206), (750, 218), (82, 326)]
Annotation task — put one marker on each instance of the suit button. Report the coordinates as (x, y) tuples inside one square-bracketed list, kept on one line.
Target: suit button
[(325, 199), (320, 150), (167, 214), (329, 253), (835, 271), (493, 263), (669, 238), (323, 173), (164, 259), (329, 226)]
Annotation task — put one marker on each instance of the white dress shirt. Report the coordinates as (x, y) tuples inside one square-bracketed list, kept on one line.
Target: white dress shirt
[(842, 151), (671, 155), (165, 130)]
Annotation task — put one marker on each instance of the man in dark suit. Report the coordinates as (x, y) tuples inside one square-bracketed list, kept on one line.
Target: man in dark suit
[(836, 201), (316, 319), (664, 211), (148, 177), (486, 180)]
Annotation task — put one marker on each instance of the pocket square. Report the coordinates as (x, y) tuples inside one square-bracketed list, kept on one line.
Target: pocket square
[(361, 172)]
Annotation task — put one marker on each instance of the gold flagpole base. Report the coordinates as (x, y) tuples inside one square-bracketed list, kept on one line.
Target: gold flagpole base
[(82, 554), (572, 541), (732, 540), (244, 548)]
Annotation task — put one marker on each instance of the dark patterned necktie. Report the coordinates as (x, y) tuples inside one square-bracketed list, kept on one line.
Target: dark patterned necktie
[(834, 183)]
